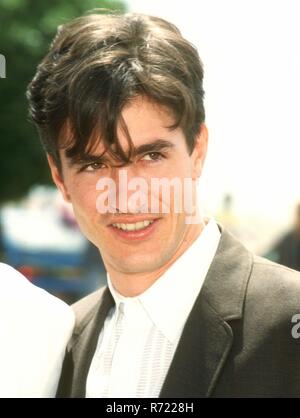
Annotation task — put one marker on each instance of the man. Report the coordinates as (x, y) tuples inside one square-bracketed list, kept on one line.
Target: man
[(35, 329), (188, 311)]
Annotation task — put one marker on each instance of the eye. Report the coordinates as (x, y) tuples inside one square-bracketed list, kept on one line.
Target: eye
[(153, 156), (94, 166)]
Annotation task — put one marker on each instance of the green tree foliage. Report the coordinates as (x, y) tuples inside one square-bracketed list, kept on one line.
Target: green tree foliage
[(26, 29)]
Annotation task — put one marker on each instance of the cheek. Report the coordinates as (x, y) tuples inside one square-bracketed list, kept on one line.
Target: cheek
[(178, 172), (83, 197), (181, 167)]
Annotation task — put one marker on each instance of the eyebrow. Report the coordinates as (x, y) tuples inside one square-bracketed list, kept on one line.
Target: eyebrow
[(154, 146)]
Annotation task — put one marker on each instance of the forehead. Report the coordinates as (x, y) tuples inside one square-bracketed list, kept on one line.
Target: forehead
[(146, 120)]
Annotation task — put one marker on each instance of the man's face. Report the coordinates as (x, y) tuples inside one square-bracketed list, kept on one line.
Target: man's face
[(126, 244)]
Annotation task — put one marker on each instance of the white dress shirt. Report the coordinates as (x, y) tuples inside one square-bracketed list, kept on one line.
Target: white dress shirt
[(140, 334), (34, 330)]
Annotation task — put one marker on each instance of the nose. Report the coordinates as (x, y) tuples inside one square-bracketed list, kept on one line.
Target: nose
[(131, 190)]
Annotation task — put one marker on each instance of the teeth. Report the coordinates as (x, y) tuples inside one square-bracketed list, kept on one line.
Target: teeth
[(133, 227)]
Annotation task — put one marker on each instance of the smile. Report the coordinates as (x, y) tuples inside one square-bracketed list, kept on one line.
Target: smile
[(137, 231), (137, 226)]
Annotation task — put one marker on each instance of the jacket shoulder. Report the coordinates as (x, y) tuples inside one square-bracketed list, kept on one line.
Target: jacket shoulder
[(277, 287), (275, 273)]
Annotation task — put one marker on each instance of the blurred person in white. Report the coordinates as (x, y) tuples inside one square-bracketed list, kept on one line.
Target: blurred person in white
[(34, 330), (188, 310)]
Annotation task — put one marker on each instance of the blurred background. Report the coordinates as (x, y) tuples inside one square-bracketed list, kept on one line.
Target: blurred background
[(251, 56)]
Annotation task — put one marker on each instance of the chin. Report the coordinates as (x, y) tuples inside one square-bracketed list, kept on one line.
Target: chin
[(138, 266)]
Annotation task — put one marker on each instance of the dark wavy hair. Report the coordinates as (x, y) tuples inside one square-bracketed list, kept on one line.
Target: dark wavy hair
[(96, 64)]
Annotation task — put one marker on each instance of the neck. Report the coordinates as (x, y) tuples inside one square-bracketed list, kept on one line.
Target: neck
[(134, 284)]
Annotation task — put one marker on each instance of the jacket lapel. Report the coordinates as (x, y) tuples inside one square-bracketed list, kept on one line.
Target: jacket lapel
[(201, 352), (207, 336), (85, 343)]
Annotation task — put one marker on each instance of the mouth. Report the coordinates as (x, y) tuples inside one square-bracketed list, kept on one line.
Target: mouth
[(134, 230)]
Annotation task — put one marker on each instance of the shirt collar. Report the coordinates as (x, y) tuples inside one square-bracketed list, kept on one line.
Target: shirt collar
[(170, 299)]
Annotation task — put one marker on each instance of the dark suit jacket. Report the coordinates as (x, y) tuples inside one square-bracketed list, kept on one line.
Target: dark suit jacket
[(237, 340)]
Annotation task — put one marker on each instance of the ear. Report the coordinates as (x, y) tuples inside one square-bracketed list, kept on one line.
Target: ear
[(58, 178), (200, 151)]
